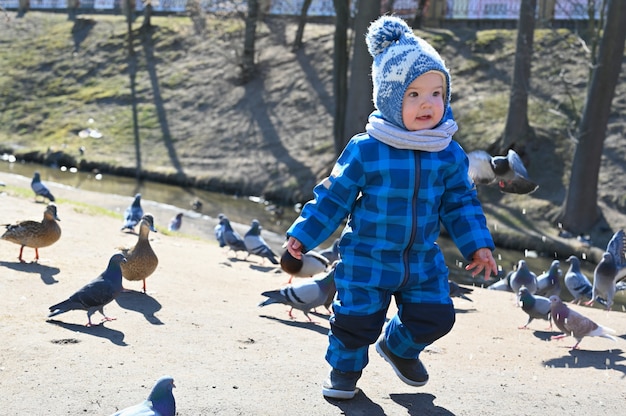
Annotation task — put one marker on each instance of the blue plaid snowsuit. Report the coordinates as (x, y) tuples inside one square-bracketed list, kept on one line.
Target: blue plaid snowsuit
[(394, 200)]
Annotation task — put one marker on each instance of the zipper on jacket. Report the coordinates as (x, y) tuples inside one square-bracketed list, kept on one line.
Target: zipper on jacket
[(416, 186)]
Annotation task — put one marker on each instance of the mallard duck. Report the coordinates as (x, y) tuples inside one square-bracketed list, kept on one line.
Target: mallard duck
[(35, 234), (141, 261)]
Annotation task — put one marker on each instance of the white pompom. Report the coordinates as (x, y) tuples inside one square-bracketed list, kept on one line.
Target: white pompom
[(383, 32)]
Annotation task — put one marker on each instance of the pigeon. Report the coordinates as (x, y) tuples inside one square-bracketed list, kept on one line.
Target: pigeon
[(535, 306), (96, 294), (231, 237), (610, 270), (458, 291), (332, 252), (40, 189), (141, 261), (309, 265), (219, 231), (522, 276), (255, 244), (160, 402), (576, 282), (507, 171), (549, 283), (35, 234), (503, 284), (304, 295), (175, 222), (133, 214), (573, 323)]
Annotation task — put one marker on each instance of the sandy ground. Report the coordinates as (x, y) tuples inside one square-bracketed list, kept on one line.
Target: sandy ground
[(201, 324)]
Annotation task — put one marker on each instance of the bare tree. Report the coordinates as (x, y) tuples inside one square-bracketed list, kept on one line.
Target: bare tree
[(419, 13), (580, 209), (340, 70), (297, 43), (247, 60), (517, 128)]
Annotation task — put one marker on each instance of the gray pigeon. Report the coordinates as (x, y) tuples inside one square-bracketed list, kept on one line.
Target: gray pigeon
[(176, 222), (219, 231), (255, 244), (576, 282), (522, 276), (332, 252), (508, 172), (304, 295), (96, 294), (309, 265), (536, 307), (231, 237), (458, 291), (39, 188), (573, 323), (133, 214), (160, 402), (503, 284), (549, 283), (610, 270)]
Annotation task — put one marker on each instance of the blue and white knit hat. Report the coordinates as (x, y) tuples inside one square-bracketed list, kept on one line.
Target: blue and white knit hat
[(399, 58)]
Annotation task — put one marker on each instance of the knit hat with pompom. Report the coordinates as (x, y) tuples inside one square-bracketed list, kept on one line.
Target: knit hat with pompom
[(399, 58)]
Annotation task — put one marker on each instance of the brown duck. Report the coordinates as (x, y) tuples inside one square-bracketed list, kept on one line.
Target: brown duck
[(141, 261), (35, 234)]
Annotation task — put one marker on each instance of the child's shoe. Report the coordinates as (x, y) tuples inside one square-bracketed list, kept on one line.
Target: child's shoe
[(341, 384), (411, 371)]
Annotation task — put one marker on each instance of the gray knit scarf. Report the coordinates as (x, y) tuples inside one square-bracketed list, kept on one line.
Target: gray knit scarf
[(432, 140)]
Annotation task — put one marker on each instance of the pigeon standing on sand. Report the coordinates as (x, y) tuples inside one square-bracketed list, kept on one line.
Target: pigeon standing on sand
[(458, 291), (507, 171), (133, 214), (255, 244), (231, 237), (35, 234), (523, 277), (573, 323), (160, 402), (536, 307), (96, 294), (610, 270), (40, 189), (304, 295), (176, 222), (549, 283), (219, 231), (576, 282), (309, 265)]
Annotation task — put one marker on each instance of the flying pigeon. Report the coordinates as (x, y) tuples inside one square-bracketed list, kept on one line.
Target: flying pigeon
[(309, 265), (458, 291), (40, 189), (35, 234), (523, 277), (332, 252), (304, 295), (231, 237), (255, 244), (96, 294), (610, 270), (535, 306), (175, 222), (507, 171), (160, 402), (576, 282), (133, 214), (549, 283), (573, 323)]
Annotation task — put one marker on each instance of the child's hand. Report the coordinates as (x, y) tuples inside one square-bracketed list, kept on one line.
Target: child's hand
[(483, 260), (294, 247)]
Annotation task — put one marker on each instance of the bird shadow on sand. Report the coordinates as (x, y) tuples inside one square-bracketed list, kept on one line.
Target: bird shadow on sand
[(264, 269), (101, 331), (142, 303), (546, 334), (601, 360), (311, 326), (46, 273)]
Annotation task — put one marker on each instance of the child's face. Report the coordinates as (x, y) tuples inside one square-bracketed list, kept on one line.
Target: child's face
[(422, 105)]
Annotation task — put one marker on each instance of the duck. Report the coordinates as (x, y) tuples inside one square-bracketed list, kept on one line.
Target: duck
[(141, 260), (35, 234)]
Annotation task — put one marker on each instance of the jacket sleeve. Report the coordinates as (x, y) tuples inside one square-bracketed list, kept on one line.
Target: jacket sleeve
[(461, 212), (333, 200)]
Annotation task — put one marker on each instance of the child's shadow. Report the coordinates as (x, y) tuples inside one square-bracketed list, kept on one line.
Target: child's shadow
[(416, 404)]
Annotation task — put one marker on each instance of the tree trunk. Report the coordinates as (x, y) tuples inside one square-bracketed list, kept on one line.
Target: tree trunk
[(419, 14), (580, 210), (247, 60), (360, 103), (517, 128), (340, 70), (297, 43)]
